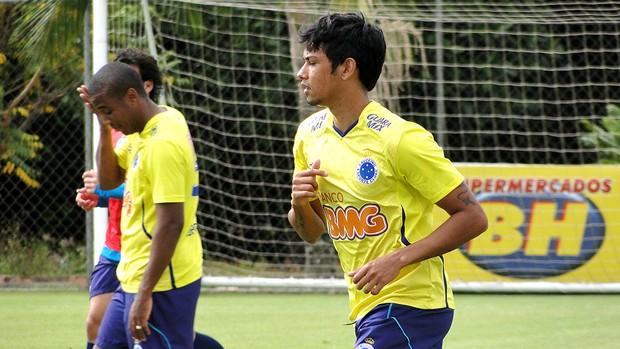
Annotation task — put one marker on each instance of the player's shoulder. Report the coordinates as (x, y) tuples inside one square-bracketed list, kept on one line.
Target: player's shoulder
[(169, 123), (172, 116), (377, 118), (315, 123)]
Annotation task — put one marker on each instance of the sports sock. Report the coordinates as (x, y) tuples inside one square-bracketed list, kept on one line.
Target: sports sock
[(202, 341), (90, 345)]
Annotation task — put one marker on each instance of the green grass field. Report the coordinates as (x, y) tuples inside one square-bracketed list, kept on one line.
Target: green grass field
[(36, 319)]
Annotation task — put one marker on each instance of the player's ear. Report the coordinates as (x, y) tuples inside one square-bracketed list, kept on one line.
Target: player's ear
[(131, 95), (148, 86), (348, 68)]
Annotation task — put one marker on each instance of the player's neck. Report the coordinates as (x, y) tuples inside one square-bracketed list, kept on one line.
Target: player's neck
[(150, 110), (348, 111)]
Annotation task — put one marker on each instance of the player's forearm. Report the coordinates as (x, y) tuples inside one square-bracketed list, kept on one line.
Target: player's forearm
[(308, 225), (467, 220), (109, 173), (457, 230)]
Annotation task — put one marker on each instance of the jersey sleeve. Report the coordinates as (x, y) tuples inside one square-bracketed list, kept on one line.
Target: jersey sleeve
[(113, 193), (299, 154), (167, 168), (422, 163), (301, 163)]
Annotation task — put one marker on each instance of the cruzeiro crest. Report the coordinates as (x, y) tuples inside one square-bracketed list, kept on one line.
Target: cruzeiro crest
[(367, 171)]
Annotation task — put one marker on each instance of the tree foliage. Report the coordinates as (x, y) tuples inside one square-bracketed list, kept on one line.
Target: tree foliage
[(604, 136), (38, 45)]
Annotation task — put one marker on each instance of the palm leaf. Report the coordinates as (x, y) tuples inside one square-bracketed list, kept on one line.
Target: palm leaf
[(48, 27)]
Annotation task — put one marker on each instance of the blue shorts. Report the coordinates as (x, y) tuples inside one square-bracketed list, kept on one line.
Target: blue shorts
[(171, 321), (103, 279), (395, 326)]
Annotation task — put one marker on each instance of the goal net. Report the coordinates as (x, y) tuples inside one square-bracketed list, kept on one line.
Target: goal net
[(523, 83)]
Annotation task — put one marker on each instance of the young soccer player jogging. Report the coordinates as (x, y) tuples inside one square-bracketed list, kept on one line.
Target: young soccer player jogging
[(370, 179), (161, 256)]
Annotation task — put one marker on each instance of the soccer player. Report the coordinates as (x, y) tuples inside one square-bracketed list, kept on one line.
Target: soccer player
[(103, 280), (161, 256), (370, 180)]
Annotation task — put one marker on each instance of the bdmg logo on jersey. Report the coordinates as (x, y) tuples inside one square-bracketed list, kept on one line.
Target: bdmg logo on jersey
[(536, 235)]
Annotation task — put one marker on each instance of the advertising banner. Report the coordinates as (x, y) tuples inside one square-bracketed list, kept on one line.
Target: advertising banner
[(546, 223)]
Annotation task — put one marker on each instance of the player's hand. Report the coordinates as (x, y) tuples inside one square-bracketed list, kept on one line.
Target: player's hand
[(83, 92), (305, 185), (374, 275), (90, 180), (86, 200), (139, 315)]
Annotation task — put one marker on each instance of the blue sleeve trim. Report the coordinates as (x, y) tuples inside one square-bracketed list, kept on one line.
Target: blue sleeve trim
[(114, 193)]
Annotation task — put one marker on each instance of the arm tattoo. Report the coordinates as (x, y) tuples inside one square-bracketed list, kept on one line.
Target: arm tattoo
[(464, 195), (300, 221)]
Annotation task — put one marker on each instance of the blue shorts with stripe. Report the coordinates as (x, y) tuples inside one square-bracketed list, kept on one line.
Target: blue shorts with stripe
[(171, 321), (103, 278), (395, 326)]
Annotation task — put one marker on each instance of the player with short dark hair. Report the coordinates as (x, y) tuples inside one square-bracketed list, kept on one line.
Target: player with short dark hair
[(161, 259), (103, 279), (370, 179)]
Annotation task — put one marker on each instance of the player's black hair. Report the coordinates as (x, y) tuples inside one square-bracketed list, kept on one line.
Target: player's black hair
[(149, 70), (348, 35), (114, 80)]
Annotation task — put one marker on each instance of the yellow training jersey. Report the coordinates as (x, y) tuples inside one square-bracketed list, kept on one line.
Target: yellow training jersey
[(161, 167), (385, 174)]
